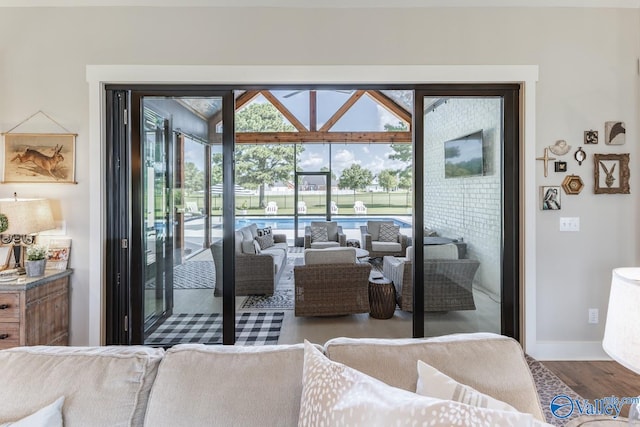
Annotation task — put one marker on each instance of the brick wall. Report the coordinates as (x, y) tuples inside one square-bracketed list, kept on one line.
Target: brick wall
[(468, 207)]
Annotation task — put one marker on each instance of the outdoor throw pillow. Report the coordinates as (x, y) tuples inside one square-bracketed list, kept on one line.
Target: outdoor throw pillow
[(319, 234), (265, 241), (265, 231), (335, 394), (389, 233), (49, 416), (433, 383)]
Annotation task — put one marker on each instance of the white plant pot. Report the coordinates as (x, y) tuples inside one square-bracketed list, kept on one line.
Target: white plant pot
[(35, 268)]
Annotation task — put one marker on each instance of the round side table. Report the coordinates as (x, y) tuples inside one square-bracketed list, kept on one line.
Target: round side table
[(382, 298)]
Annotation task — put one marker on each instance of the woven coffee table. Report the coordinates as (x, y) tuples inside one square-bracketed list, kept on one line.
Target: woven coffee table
[(382, 298)]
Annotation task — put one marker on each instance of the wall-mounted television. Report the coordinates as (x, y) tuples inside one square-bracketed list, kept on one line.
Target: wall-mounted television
[(464, 156)]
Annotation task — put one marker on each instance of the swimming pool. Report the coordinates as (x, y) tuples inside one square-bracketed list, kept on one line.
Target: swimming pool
[(286, 223)]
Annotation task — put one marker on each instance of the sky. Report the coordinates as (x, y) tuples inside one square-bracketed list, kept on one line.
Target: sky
[(365, 115)]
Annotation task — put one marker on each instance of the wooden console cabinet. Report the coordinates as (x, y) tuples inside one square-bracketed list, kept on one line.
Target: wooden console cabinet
[(35, 311)]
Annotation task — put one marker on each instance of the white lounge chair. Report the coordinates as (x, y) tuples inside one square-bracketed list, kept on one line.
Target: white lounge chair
[(302, 208), (360, 208), (271, 209), (334, 208)]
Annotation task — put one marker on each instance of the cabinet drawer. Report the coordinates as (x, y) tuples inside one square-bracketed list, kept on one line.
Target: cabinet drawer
[(9, 335), (9, 307)]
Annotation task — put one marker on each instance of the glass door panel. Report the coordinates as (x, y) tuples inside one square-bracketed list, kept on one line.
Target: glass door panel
[(463, 207)]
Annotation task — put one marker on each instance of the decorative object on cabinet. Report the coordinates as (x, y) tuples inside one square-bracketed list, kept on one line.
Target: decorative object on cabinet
[(39, 157), (590, 136), (35, 311), (572, 184), (36, 260), (560, 166), (550, 198), (560, 148), (5, 256), (580, 155), (614, 133), (26, 217), (611, 173), (546, 160)]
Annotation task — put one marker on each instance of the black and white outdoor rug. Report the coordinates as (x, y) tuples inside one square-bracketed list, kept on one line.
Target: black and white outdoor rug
[(191, 275), (255, 328)]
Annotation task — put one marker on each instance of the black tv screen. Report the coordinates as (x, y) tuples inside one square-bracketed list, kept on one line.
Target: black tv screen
[(464, 156)]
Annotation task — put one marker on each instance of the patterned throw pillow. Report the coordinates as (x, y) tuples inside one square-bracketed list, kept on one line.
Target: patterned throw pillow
[(265, 241), (335, 394), (265, 231), (389, 233), (319, 234)]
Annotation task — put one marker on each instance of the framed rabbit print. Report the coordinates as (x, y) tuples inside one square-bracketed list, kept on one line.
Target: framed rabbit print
[(34, 157), (611, 173)]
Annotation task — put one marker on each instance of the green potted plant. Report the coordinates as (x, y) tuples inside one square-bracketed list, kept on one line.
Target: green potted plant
[(36, 260)]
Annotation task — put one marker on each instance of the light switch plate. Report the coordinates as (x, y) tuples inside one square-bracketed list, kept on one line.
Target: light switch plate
[(569, 224)]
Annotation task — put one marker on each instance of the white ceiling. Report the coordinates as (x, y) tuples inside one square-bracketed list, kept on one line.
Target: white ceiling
[(325, 3)]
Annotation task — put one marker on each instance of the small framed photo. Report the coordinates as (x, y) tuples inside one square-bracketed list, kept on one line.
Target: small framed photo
[(560, 166), (34, 157), (550, 198), (611, 173), (614, 133), (6, 252), (590, 136)]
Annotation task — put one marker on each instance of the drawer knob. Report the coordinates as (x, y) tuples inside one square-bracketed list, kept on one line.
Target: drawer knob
[(4, 336), (4, 306)]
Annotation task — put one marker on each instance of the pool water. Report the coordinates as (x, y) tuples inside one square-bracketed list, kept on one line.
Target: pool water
[(287, 223)]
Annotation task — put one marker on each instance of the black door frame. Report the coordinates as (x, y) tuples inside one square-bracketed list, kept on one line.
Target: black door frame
[(510, 308)]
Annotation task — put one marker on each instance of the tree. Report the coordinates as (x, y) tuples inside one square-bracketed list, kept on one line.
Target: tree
[(355, 177), (326, 169), (258, 165), (216, 168), (193, 178), (388, 179), (403, 153)]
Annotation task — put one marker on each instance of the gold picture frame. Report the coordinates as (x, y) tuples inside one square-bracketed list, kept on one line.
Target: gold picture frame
[(39, 157), (611, 173)]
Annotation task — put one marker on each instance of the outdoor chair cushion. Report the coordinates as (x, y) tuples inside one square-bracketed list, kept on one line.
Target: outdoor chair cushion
[(386, 246), (340, 255)]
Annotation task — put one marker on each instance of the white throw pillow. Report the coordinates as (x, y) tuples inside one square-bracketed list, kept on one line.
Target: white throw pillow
[(335, 394), (433, 383), (49, 416)]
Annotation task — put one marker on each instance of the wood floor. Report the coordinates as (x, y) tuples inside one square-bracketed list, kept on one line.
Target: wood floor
[(598, 379)]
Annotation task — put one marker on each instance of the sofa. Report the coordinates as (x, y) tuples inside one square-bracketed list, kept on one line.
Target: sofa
[(331, 282), (448, 279), (196, 385), (257, 269)]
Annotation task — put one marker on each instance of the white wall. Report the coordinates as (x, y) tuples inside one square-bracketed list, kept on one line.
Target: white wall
[(468, 207), (587, 62)]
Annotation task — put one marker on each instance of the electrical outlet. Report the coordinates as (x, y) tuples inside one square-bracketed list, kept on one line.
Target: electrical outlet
[(593, 316), (569, 224)]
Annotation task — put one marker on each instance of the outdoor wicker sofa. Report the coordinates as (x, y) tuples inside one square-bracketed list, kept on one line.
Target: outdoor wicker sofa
[(447, 282), (330, 283)]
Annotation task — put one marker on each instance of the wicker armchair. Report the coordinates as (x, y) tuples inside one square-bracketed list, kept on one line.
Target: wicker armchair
[(335, 235), (370, 235), (447, 283), (332, 289)]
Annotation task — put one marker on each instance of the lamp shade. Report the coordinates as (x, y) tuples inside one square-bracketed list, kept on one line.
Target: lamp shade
[(27, 216), (622, 330)]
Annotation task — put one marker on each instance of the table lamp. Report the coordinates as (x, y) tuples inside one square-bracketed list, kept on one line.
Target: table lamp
[(26, 217), (622, 330)]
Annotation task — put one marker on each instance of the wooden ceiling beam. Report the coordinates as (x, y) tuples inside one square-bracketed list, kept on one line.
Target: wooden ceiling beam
[(241, 101), (391, 106), (342, 110), (284, 110), (320, 137)]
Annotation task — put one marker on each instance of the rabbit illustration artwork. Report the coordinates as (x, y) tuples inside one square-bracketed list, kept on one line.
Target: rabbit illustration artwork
[(46, 163)]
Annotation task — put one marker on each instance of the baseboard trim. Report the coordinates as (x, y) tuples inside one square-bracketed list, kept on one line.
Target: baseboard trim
[(568, 350)]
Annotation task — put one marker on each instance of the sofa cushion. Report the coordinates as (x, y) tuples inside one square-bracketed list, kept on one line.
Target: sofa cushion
[(102, 386), (253, 228), (335, 394), (248, 247), (49, 416), (386, 247), (246, 233), (470, 359), (238, 241), (227, 386), (340, 255), (324, 245), (389, 233), (447, 251)]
